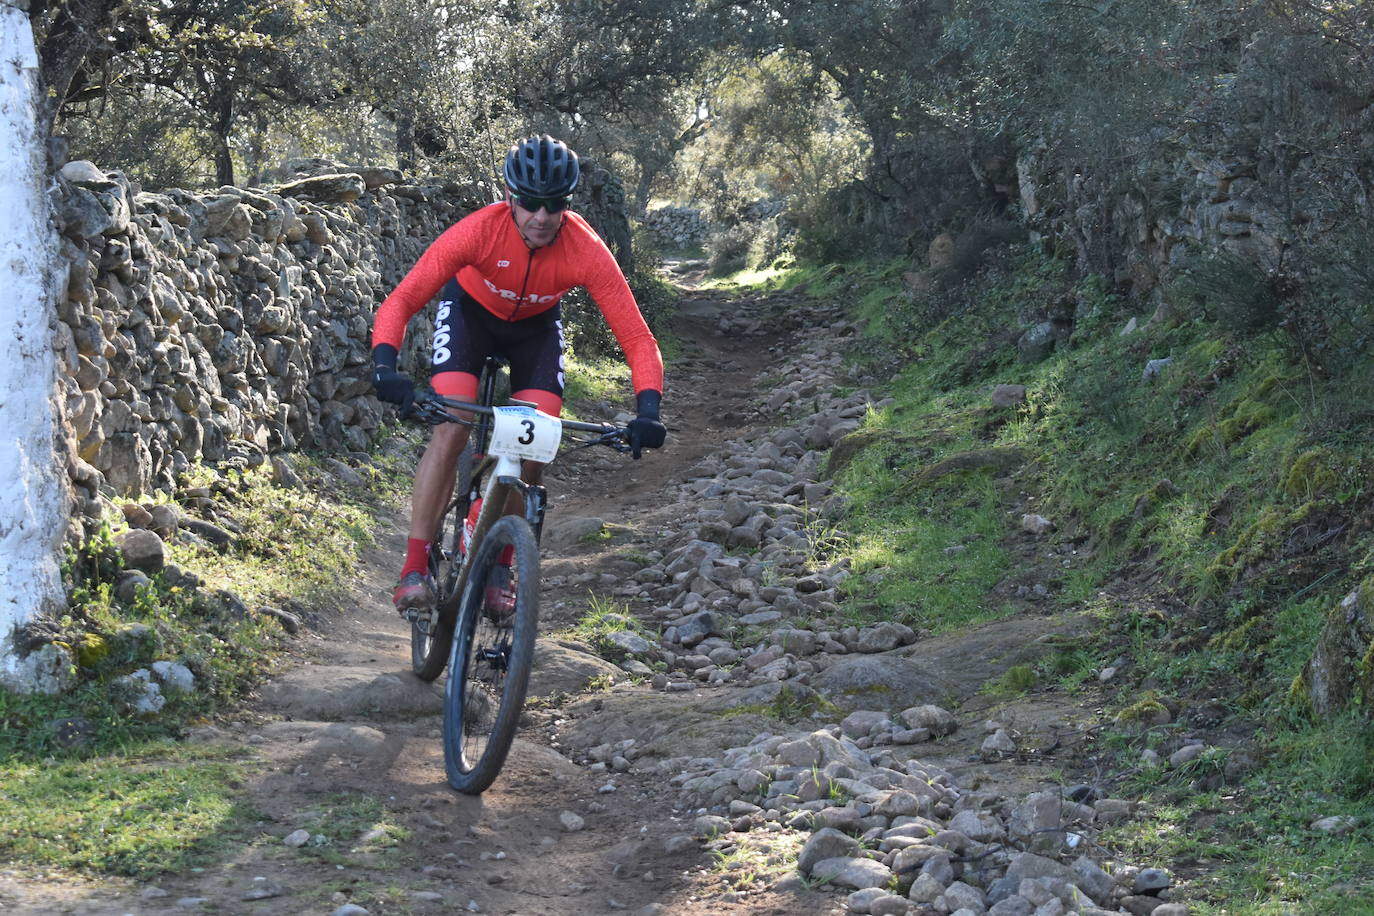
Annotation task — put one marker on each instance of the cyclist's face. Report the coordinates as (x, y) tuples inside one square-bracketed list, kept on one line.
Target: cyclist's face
[(539, 227)]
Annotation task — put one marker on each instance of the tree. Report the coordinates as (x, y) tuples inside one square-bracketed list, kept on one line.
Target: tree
[(32, 518)]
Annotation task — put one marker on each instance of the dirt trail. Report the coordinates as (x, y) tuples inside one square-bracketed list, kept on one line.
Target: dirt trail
[(350, 721)]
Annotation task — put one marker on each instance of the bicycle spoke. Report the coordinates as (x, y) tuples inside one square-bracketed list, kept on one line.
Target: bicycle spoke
[(492, 656)]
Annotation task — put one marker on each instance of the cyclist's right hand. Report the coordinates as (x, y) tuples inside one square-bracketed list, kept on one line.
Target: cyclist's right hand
[(395, 387)]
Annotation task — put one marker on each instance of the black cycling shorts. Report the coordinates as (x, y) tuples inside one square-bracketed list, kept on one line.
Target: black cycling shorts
[(465, 334)]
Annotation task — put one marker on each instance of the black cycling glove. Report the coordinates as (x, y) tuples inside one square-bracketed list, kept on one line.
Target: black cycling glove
[(646, 430), (391, 385)]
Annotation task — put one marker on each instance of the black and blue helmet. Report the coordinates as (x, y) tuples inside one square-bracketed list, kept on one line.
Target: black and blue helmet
[(541, 167)]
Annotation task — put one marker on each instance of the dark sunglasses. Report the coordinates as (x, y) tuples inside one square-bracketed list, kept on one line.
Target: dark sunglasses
[(533, 204)]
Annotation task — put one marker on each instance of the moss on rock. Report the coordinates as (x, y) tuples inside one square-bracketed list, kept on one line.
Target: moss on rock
[(1341, 669), (1311, 474), (993, 460)]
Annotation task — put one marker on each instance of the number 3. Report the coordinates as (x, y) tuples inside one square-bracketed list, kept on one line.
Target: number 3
[(528, 437)]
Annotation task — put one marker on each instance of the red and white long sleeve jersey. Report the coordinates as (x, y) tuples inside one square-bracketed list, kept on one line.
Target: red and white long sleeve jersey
[(487, 254)]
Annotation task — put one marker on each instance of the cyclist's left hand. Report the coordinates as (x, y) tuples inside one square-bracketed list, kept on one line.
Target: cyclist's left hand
[(646, 430)]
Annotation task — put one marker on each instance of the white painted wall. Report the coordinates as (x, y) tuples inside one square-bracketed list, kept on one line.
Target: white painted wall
[(32, 518)]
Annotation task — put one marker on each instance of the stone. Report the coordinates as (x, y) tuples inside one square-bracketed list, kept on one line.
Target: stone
[(1155, 368), (1029, 865), (141, 695), (573, 531), (679, 844), (861, 723), (901, 803), (1014, 905), (325, 188), (1111, 810), (289, 621), (862, 901), (856, 872), (699, 626), (1037, 343), (1139, 904), (129, 583), (630, 643), (884, 637), (925, 889), (889, 905), (940, 868), (164, 520), (1150, 881), (710, 825), (826, 843), (174, 676), (1186, 754), (208, 531), (1336, 672), (1336, 824), (935, 719), (959, 896), (1032, 523), (142, 550), (1092, 880), (865, 681), (571, 822), (296, 838), (1008, 395), (977, 826), (998, 744)]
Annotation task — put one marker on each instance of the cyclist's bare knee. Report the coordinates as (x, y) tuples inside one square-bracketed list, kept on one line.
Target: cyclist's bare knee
[(448, 440), (532, 472)]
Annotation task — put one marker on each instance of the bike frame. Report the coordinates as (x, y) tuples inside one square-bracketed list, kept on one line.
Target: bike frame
[(502, 478)]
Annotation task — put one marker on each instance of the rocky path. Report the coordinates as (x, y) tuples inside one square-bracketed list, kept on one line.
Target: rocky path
[(729, 745)]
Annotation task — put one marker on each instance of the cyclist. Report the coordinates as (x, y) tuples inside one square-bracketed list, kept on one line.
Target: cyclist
[(500, 273)]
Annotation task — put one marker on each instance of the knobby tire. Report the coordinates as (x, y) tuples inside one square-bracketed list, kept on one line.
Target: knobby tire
[(430, 642), (490, 668)]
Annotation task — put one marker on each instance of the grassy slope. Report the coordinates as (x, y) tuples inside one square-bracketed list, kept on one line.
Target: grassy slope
[(1214, 516)]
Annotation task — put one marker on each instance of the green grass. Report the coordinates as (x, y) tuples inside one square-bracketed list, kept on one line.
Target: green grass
[(1219, 512), (343, 825), (902, 568), (294, 543), (604, 616), (126, 798), (787, 706), (151, 808), (1260, 855)]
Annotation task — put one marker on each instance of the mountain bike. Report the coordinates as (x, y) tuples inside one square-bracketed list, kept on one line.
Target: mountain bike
[(485, 565)]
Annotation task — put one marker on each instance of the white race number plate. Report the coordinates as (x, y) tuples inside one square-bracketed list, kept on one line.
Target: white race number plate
[(525, 433)]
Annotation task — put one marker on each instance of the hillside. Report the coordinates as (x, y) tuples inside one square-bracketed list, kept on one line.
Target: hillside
[(1080, 689)]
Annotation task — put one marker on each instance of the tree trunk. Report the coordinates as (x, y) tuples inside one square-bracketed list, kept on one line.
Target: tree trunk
[(32, 514), (224, 125), (405, 142)]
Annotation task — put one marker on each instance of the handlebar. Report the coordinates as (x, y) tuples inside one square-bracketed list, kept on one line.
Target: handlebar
[(433, 408)]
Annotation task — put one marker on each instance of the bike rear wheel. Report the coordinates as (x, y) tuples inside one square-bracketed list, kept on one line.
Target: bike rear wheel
[(431, 634), (492, 655)]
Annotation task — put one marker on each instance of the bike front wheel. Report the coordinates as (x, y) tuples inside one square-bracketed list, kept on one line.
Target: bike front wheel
[(493, 651)]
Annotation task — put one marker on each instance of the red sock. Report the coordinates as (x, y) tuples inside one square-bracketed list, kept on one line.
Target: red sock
[(417, 556)]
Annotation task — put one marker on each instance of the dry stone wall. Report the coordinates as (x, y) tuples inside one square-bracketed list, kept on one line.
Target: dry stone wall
[(230, 324)]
